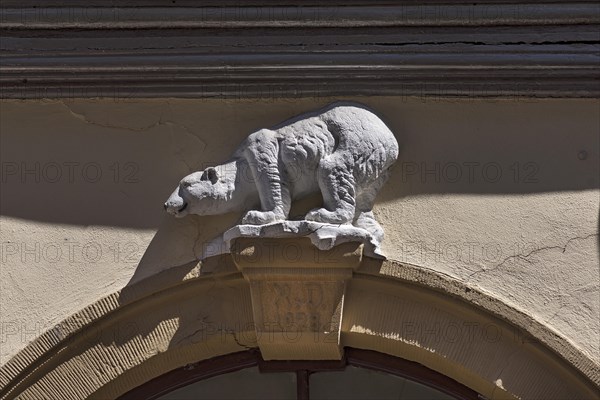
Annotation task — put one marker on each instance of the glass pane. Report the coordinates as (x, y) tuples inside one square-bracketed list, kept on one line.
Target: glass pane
[(360, 383), (247, 383)]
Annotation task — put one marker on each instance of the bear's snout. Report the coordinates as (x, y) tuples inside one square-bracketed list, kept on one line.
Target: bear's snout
[(175, 205)]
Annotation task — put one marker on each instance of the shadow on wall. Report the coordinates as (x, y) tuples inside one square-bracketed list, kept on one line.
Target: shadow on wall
[(114, 164)]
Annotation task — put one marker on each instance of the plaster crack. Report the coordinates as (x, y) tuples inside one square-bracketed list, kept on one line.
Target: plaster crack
[(161, 122), (191, 335), (525, 257), (205, 324), (85, 119), (197, 241), (576, 294), (236, 339), (179, 152)]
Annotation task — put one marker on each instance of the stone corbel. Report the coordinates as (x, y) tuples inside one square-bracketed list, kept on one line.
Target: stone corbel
[(297, 294)]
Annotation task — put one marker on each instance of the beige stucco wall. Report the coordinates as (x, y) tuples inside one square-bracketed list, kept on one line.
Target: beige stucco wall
[(83, 183)]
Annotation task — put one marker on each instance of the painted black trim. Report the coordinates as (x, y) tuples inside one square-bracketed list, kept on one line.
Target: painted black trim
[(189, 374), (286, 49)]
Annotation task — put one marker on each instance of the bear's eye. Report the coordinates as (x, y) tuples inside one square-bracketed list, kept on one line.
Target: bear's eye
[(187, 184)]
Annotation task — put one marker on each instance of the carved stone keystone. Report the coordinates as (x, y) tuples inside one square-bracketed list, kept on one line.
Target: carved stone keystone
[(297, 294)]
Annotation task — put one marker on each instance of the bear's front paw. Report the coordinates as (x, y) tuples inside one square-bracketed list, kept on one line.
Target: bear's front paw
[(326, 216), (260, 217)]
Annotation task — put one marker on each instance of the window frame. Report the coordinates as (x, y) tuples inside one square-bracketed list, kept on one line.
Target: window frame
[(368, 359)]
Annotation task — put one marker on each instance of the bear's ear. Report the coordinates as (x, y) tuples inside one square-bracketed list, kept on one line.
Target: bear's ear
[(211, 175)]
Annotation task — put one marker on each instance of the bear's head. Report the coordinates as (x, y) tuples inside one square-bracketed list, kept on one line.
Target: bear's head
[(203, 193)]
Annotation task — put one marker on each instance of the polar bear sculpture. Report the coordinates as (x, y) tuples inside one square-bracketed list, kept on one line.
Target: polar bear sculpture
[(344, 151)]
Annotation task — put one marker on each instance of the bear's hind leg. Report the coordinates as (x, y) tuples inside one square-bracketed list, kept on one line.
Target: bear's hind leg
[(366, 220), (365, 200), (336, 182)]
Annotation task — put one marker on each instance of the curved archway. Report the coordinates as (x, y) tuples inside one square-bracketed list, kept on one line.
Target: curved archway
[(162, 324)]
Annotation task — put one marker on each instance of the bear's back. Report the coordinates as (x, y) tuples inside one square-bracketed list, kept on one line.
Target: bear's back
[(346, 130), (340, 124)]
